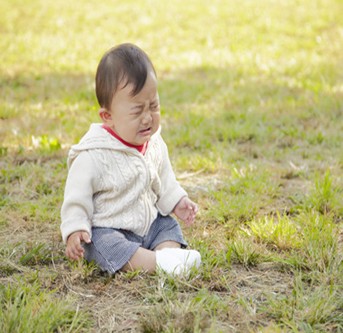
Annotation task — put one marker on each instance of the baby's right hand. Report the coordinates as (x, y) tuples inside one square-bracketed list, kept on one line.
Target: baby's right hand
[(74, 248)]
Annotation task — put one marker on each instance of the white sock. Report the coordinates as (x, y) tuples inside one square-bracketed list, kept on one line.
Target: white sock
[(190, 258), (168, 262), (177, 261)]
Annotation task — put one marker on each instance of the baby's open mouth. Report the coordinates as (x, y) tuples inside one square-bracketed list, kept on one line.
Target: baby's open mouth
[(145, 130)]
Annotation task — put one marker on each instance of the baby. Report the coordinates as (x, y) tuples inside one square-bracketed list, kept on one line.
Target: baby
[(121, 188)]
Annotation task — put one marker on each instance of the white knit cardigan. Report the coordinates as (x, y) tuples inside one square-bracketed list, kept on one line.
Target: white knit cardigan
[(112, 185)]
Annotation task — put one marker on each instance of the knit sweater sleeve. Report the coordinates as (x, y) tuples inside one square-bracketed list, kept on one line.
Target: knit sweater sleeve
[(171, 191), (77, 207)]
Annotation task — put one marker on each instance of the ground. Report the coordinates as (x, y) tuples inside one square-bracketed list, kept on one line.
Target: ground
[(251, 97)]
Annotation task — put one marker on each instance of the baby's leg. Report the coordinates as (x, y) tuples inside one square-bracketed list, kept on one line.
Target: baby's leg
[(170, 259), (147, 260), (167, 245), (143, 259), (113, 251)]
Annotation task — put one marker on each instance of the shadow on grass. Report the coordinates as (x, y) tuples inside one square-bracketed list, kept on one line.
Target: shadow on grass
[(218, 104)]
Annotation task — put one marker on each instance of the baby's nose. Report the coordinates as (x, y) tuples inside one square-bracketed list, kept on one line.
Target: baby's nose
[(147, 116)]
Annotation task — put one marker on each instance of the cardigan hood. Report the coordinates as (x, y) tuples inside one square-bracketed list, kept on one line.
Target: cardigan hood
[(98, 138)]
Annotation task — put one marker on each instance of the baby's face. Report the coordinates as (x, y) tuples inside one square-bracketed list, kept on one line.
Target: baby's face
[(136, 118)]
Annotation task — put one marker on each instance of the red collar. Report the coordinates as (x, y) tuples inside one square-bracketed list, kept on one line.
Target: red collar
[(141, 148)]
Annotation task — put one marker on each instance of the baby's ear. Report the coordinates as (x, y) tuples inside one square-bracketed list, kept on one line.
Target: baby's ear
[(105, 115)]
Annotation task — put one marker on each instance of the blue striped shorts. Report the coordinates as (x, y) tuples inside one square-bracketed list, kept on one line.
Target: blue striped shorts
[(112, 248)]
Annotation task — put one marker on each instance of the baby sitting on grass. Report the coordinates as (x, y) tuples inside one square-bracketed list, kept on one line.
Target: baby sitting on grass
[(121, 188)]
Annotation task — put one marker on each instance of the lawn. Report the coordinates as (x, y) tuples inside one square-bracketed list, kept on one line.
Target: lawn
[(251, 95)]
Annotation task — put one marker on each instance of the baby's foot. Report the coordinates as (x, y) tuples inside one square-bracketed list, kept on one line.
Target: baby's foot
[(190, 258), (177, 261), (168, 262)]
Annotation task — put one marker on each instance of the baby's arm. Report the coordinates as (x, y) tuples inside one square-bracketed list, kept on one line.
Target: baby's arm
[(186, 210), (74, 248), (77, 207), (173, 198), (171, 192)]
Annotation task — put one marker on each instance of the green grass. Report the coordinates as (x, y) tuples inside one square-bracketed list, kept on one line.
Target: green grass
[(251, 97), (25, 308), (308, 309)]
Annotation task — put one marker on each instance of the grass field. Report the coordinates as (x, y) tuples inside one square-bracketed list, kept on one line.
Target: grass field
[(251, 95)]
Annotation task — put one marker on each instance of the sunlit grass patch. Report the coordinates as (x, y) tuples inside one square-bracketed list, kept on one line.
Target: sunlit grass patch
[(281, 233), (317, 251), (308, 242), (46, 143)]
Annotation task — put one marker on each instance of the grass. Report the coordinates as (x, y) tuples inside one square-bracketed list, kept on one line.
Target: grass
[(26, 308), (251, 98)]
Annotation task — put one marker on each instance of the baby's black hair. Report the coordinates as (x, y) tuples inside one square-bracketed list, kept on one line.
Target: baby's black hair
[(123, 64)]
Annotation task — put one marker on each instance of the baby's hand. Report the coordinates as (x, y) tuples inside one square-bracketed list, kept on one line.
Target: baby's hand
[(74, 249), (186, 210)]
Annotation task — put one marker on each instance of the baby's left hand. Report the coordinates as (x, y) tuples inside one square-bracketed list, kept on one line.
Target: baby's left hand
[(186, 210)]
